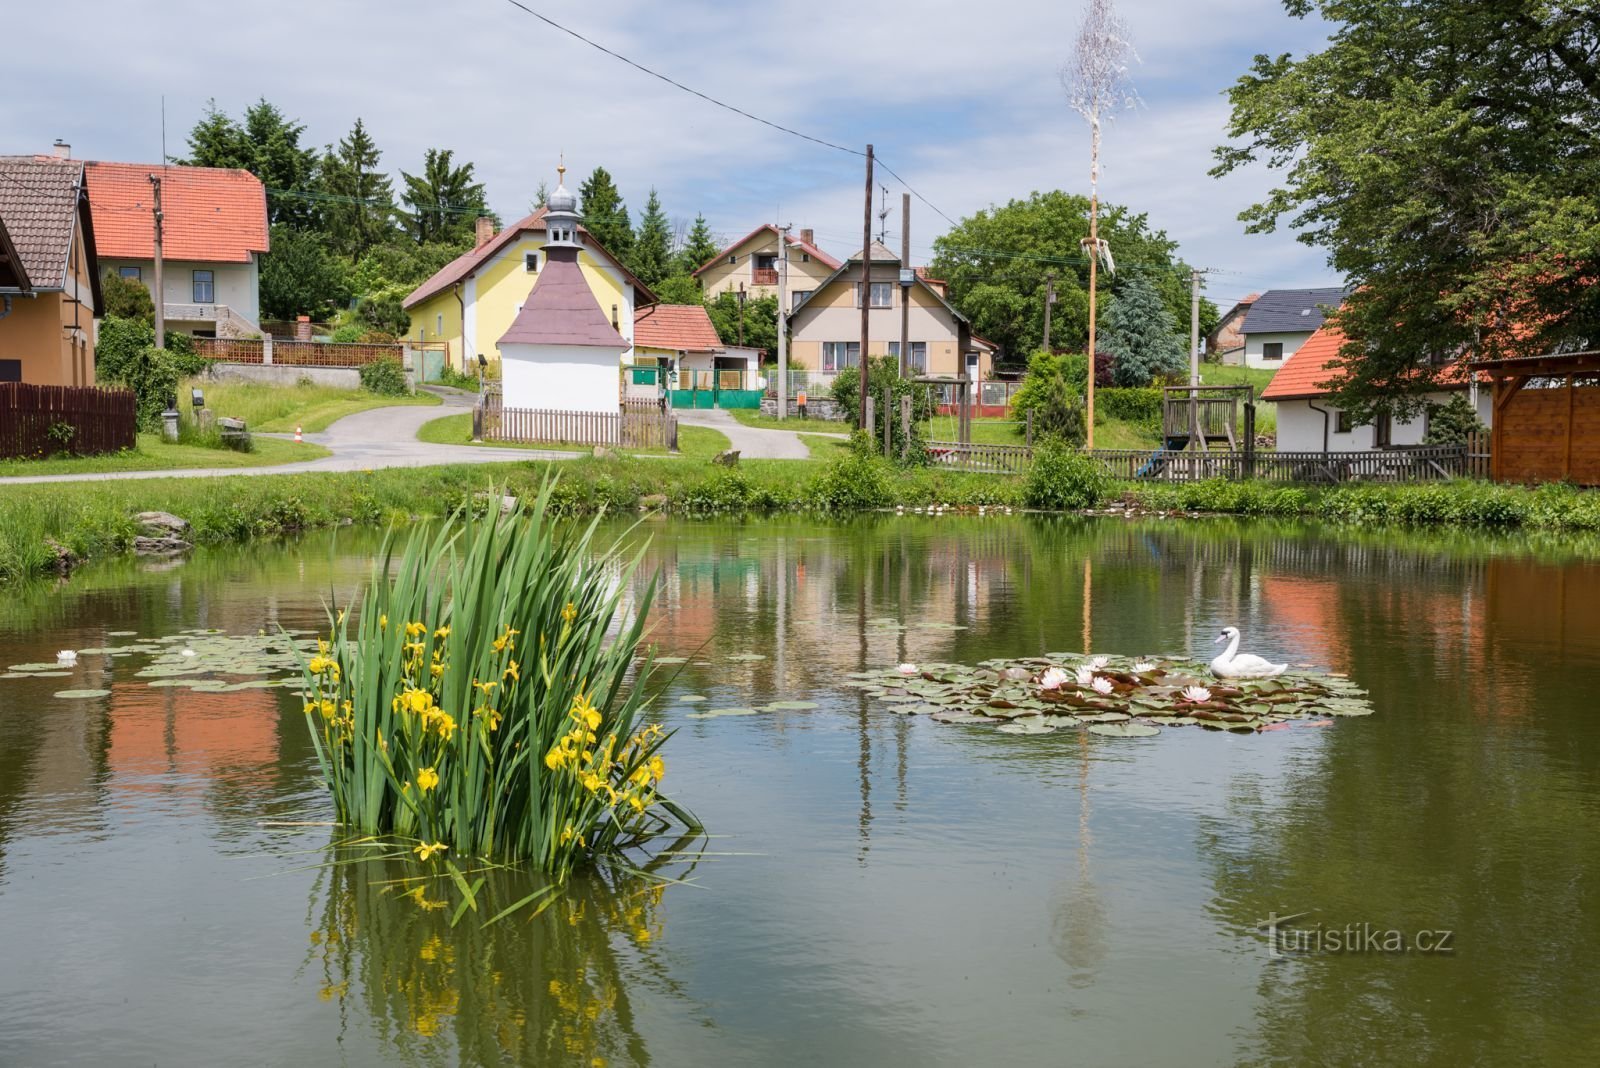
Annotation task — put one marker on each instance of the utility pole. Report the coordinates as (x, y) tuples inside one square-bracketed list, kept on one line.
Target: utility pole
[(905, 283), (1049, 303), (741, 315), (1194, 359), (161, 296), (866, 286), (1093, 244), (783, 322)]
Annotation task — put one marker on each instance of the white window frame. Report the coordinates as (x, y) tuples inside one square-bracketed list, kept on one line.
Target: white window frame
[(135, 273), (919, 355), (798, 296), (832, 351), (887, 289)]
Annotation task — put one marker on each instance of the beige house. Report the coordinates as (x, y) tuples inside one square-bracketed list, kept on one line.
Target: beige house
[(49, 277), (825, 328), (752, 261)]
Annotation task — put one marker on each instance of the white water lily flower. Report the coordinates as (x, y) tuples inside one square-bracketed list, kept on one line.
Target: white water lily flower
[(1053, 679), (1141, 666), (1099, 662), (1102, 685), (1085, 676), (1197, 694), (909, 669), (187, 652), (67, 656)]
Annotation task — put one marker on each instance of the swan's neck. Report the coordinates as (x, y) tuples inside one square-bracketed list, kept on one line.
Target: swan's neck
[(1233, 647)]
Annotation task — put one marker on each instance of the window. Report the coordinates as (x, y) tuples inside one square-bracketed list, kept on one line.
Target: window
[(919, 355), (10, 370), (438, 325), (205, 287), (882, 294), (766, 261), (805, 257), (800, 295), (733, 259), (839, 355), (530, 262), (1342, 423), (1383, 431), (130, 272), (1272, 350)]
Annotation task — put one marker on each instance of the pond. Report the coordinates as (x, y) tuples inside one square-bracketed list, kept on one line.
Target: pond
[(878, 889)]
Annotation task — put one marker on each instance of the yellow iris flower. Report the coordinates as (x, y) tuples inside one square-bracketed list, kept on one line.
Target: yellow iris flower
[(426, 852), (427, 779)]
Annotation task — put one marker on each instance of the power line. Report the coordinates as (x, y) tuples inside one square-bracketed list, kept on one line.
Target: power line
[(913, 192), (679, 85)]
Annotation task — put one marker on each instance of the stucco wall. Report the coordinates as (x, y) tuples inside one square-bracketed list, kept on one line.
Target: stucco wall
[(723, 276), (570, 378), (50, 333), (1253, 344), (238, 285), (1300, 427), (832, 315)]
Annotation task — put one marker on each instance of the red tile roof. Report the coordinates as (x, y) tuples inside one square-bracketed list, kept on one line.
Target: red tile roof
[(794, 243), (682, 327), (561, 309), (210, 214), (1317, 360)]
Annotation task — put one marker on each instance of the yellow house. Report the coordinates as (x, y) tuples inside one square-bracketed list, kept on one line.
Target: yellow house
[(752, 261), (825, 329), (471, 302), (49, 276)]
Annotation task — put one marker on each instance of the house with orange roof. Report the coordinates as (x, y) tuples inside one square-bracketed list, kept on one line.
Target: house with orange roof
[(1308, 423), (676, 351), (213, 235), (49, 275), (751, 264)]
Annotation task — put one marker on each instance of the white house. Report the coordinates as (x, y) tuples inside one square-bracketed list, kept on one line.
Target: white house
[(562, 351), (214, 233), (1308, 423), (1280, 320)]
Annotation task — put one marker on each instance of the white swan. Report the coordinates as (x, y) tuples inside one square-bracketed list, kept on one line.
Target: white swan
[(1230, 665)]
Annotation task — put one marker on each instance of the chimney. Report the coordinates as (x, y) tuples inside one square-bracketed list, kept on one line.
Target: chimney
[(808, 236), (485, 230), (62, 149)]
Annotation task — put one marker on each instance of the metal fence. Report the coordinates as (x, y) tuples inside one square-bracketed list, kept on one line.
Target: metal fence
[(38, 421), (633, 426), (281, 352)]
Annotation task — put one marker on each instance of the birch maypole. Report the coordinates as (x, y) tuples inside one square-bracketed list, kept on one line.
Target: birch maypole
[(1097, 85)]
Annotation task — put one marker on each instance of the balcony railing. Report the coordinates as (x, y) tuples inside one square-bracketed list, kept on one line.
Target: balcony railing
[(229, 322), (764, 276)]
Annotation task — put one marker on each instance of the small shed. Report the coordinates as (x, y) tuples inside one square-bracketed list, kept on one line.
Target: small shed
[(1546, 425)]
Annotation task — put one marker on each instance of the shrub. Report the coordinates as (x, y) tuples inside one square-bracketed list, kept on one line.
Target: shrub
[(384, 312), (1452, 422), (126, 298), (1140, 334), (1049, 394), (479, 706), (1063, 478), (121, 341), (853, 483), (153, 377), (458, 379), (1141, 406), (883, 375), (385, 377)]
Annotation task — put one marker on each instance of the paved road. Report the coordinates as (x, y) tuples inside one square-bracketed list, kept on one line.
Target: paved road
[(377, 437), (753, 443)]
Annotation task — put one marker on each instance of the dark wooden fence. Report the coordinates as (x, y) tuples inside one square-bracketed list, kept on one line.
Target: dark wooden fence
[(631, 427), (288, 353), (102, 420), (996, 459)]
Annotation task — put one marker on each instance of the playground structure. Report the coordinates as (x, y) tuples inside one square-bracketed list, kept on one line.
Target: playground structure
[(1194, 419)]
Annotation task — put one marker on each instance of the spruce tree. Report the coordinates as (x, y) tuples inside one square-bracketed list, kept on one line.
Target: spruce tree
[(1140, 334), (698, 247), (444, 200), (361, 209), (604, 214), (652, 244)]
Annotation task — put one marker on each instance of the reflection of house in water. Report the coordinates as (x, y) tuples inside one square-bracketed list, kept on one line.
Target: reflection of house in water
[(170, 739)]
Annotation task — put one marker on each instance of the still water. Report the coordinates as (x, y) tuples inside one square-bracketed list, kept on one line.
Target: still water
[(879, 889)]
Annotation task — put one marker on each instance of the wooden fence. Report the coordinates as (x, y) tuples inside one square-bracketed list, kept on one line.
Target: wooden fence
[(630, 427), (995, 459), (286, 353), (102, 420)]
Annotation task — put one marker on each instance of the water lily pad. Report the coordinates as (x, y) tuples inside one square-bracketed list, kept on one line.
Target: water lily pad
[(716, 712), (1025, 726), (76, 695), (962, 717), (691, 699), (669, 660), (794, 706), (49, 674), (1124, 730), (1060, 721), (122, 633)]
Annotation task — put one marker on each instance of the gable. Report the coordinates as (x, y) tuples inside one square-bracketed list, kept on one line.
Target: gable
[(209, 214)]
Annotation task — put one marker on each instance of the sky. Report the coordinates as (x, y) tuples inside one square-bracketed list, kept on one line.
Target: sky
[(963, 101)]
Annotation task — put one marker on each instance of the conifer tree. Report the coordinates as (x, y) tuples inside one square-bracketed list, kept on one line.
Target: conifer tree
[(360, 208), (698, 247), (604, 214), (1140, 334), (652, 244)]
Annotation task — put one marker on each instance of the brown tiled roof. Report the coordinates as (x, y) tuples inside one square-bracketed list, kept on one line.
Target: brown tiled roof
[(209, 214), (684, 327), (38, 204), (12, 274), (561, 309), (794, 242), (468, 262)]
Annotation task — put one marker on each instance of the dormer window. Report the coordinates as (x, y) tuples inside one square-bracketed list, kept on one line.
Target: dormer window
[(530, 262)]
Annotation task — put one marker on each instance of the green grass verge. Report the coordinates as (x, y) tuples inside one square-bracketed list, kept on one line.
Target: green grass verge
[(753, 418), (825, 446), (153, 454), (694, 442), (278, 409)]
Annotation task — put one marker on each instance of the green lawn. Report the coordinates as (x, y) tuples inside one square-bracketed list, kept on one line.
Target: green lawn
[(1216, 374), (278, 409), (154, 454), (825, 446), (694, 442)]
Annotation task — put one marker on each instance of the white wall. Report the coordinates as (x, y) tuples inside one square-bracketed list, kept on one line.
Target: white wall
[(238, 285), (572, 378), (1300, 427), (1253, 344)]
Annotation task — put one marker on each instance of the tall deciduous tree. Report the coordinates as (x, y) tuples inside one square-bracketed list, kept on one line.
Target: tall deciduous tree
[(698, 247), (604, 213), (1446, 155), (359, 204), (997, 259), (444, 201), (651, 255), (1140, 333)]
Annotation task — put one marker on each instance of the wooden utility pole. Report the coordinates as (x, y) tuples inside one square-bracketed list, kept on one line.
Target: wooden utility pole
[(161, 293), (866, 286), (905, 289), (1049, 303), (1194, 359), (783, 322), (741, 315), (1094, 261)]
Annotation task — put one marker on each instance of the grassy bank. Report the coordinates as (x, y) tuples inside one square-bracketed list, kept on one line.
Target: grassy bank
[(694, 442), (94, 519), (272, 408), (154, 454)]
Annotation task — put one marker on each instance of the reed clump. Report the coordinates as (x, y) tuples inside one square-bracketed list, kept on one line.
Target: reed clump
[(481, 697)]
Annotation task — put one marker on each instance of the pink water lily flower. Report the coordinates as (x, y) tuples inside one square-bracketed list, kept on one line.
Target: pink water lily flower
[(909, 669), (1053, 679), (1085, 676), (1197, 694), (1102, 685)]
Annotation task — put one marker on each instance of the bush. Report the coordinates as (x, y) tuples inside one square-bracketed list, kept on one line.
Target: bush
[(883, 374), (121, 342), (153, 377), (1452, 422), (384, 312), (126, 298), (349, 333), (1063, 479), (385, 377), (854, 483), (1049, 394), (1141, 406)]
